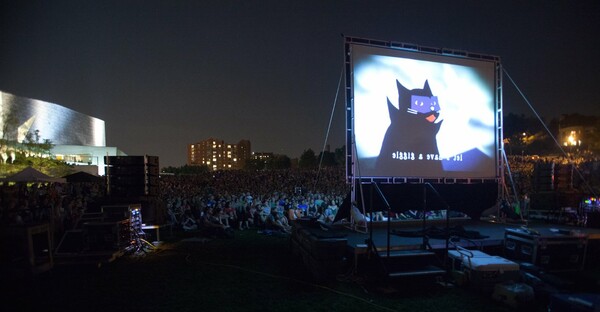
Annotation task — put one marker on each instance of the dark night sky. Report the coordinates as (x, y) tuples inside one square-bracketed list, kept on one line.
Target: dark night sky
[(163, 74)]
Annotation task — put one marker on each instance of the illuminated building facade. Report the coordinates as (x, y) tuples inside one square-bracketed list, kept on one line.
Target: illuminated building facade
[(77, 138), (264, 156), (218, 155), (579, 137), (571, 136)]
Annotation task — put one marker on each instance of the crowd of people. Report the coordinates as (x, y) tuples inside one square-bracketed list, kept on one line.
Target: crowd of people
[(219, 202), (223, 201), (215, 202), (581, 173), (59, 204)]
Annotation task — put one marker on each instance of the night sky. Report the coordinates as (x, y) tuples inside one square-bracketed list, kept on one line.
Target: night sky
[(163, 74)]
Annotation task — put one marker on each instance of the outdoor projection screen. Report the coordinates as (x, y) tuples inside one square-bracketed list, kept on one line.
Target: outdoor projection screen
[(421, 114)]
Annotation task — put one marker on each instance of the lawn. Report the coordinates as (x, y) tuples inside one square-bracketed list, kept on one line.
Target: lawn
[(251, 272)]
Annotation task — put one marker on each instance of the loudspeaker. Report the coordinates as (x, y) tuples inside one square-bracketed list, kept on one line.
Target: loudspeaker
[(543, 177), (127, 170), (119, 161), (132, 176), (564, 176), (544, 201)]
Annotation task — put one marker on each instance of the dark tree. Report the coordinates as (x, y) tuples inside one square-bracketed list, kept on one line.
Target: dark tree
[(254, 164), (308, 159), (279, 162), (327, 159), (186, 170)]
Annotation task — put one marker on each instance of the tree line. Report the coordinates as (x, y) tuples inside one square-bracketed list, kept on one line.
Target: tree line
[(307, 160)]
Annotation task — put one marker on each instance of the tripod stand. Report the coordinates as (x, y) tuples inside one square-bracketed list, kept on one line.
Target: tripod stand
[(139, 244)]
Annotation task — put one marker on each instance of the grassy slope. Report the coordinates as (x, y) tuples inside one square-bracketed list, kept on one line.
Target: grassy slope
[(252, 272)]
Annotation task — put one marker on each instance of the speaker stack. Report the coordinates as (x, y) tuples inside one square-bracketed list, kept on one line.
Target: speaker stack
[(544, 197), (132, 176), (543, 177), (564, 177)]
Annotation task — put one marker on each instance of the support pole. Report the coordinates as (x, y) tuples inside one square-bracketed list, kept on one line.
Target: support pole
[(424, 215)]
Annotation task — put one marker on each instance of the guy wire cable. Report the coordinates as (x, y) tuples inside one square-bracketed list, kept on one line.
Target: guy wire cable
[(337, 92), (547, 130)]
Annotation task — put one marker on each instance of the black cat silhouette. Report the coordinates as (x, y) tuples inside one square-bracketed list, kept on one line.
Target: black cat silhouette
[(409, 147)]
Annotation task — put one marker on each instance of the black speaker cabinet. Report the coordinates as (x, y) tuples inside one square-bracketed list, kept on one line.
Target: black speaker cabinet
[(543, 177), (132, 176)]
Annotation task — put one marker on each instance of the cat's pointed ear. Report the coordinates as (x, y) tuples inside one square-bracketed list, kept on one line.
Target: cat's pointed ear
[(402, 91), (426, 87), (391, 109), (401, 88)]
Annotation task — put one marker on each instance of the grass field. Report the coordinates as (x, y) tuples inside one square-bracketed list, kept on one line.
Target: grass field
[(251, 272)]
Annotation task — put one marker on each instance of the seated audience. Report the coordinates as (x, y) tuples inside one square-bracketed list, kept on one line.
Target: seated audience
[(275, 222)]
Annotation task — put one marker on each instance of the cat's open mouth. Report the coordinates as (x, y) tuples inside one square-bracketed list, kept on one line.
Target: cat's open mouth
[(431, 117)]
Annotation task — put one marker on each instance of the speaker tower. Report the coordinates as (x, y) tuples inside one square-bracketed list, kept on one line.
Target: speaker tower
[(132, 176)]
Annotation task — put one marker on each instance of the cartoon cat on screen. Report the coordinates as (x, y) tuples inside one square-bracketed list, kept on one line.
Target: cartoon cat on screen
[(409, 145)]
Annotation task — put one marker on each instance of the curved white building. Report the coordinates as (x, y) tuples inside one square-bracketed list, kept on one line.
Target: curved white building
[(77, 138)]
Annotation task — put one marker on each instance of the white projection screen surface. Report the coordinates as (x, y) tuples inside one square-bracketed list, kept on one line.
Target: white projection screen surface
[(423, 115)]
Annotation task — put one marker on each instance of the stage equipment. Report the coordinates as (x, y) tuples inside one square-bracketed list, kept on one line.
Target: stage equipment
[(552, 250), (322, 252), (132, 214), (485, 272), (543, 177), (138, 236), (132, 176), (28, 249), (470, 199), (116, 212), (421, 262), (545, 201), (421, 115), (104, 236), (515, 295), (590, 204), (482, 271), (417, 119), (70, 244), (564, 177), (590, 208), (574, 302)]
